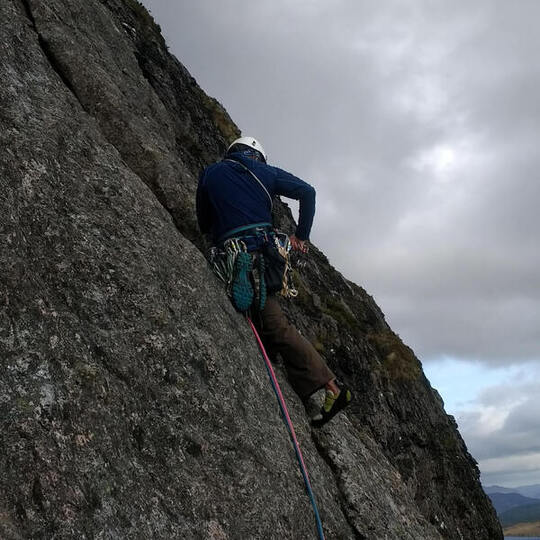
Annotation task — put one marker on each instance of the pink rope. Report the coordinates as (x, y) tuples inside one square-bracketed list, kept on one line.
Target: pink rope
[(278, 392), (290, 426)]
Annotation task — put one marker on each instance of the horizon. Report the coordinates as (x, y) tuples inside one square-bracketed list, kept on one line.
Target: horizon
[(512, 487)]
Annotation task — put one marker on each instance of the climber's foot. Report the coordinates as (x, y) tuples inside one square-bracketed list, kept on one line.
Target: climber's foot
[(333, 403)]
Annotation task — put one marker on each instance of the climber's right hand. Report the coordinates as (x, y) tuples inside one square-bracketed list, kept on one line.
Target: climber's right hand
[(297, 244)]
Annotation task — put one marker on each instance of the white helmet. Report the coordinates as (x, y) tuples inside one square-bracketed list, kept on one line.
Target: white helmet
[(252, 143)]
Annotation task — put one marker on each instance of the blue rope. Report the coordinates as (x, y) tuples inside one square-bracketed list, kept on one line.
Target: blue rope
[(290, 427), (302, 469)]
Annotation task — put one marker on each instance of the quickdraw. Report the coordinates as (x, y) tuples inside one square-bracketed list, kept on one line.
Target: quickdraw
[(222, 260), (284, 247)]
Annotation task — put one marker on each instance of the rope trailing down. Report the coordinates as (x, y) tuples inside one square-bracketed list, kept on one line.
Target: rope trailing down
[(290, 427)]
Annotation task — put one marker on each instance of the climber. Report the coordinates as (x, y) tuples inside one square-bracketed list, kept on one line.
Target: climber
[(234, 201)]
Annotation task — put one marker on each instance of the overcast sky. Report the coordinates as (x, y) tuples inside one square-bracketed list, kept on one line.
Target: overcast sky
[(418, 123)]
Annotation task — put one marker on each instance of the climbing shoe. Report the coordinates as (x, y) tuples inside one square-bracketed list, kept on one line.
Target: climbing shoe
[(242, 290), (332, 405)]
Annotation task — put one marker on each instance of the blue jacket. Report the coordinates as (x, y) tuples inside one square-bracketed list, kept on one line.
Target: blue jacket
[(228, 196)]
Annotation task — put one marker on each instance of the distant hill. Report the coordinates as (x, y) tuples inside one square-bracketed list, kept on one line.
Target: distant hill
[(529, 491), (532, 490), (499, 489), (505, 501), (521, 514)]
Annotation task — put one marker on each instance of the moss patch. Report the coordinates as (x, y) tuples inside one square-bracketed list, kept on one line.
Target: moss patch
[(143, 14), (398, 360), (448, 442), (221, 118), (339, 312), (304, 298)]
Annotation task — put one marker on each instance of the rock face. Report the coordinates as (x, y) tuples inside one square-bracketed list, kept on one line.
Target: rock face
[(133, 400)]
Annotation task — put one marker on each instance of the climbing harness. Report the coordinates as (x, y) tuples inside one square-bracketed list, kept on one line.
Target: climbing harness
[(290, 427), (253, 266)]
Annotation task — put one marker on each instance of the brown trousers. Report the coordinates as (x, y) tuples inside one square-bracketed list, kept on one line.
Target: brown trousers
[(306, 370)]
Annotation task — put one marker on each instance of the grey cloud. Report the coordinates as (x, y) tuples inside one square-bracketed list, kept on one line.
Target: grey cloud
[(524, 472), (509, 454), (519, 436), (353, 96), (519, 431)]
